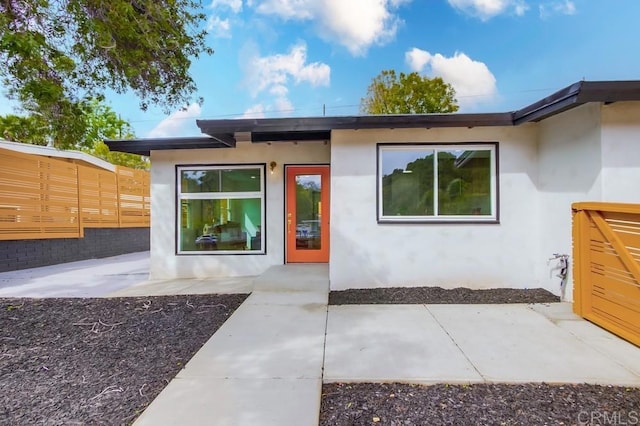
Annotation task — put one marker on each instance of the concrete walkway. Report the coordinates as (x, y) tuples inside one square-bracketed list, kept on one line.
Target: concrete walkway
[(267, 363), (85, 278), (263, 366), (474, 344)]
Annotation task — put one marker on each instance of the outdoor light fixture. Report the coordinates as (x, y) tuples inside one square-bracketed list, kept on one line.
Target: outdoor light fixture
[(272, 166)]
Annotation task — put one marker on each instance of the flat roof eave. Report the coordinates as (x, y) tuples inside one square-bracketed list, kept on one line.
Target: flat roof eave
[(146, 145), (222, 133)]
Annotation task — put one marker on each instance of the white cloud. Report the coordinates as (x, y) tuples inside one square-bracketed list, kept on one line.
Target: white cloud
[(473, 81), (487, 9), (254, 111), (274, 72), (219, 28), (234, 5), (178, 123), (566, 7), (283, 105), (354, 24), (287, 9), (417, 59), (279, 90)]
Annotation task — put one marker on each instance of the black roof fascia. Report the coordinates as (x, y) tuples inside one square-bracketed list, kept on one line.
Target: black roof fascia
[(227, 139), (578, 94), (326, 124), (144, 146), (222, 132), (308, 136)]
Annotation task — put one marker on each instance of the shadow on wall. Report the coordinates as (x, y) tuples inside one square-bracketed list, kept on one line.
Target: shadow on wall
[(370, 272)]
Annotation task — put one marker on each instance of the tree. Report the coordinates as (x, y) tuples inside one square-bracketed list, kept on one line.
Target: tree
[(412, 93), (100, 122), (103, 123), (58, 55), (31, 129)]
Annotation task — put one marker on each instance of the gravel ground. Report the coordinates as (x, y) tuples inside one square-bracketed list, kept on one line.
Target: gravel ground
[(479, 404), (98, 361), (438, 295)]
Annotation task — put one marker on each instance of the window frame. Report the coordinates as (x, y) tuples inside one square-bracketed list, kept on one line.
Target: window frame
[(180, 196), (492, 147)]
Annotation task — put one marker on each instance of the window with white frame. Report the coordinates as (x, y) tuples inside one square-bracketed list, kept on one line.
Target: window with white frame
[(437, 183), (220, 209)]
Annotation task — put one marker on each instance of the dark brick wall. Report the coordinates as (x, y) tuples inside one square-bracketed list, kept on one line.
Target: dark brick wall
[(97, 243)]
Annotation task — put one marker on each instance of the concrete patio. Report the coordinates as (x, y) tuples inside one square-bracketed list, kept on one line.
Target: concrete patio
[(267, 363)]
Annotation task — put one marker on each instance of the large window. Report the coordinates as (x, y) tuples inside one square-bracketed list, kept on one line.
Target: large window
[(221, 209), (437, 183)]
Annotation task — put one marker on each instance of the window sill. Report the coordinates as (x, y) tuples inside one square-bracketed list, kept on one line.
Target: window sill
[(438, 221)]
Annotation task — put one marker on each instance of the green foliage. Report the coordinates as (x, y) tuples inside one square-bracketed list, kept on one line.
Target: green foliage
[(58, 55), (412, 93), (101, 150), (463, 188), (30, 129), (99, 122), (307, 198)]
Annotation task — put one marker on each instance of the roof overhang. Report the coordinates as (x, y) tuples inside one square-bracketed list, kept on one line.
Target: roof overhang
[(578, 94), (145, 146), (223, 133)]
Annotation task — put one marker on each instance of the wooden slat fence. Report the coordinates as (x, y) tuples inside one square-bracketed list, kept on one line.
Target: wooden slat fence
[(135, 202), (606, 271), (42, 197)]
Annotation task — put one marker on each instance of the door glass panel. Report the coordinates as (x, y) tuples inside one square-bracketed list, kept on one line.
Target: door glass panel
[(308, 212)]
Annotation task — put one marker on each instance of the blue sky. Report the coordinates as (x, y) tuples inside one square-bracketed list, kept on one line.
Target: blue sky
[(278, 58)]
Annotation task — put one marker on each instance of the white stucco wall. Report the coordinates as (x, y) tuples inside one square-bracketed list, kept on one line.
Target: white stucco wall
[(589, 153), (569, 151), (621, 152), (367, 254), (166, 264)]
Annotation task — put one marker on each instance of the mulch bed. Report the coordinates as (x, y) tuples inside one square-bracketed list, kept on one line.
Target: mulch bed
[(479, 404), (98, 361), (438, 295)]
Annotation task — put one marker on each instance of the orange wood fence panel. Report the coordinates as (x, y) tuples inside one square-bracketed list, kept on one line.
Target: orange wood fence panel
[(38, 197), (98, 195), (135, 202), (606, 269), (42, 197)]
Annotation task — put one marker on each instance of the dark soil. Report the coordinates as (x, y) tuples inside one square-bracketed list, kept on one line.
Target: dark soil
[(98, 361), (438, 295), (480, 404)]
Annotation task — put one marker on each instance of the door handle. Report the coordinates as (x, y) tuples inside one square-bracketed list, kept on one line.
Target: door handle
[(289, 226)]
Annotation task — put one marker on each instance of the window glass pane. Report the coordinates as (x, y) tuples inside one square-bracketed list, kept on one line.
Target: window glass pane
[(220, 225), (240, 180), (308, 211), (464, 182), (407, 182), (200, 181)]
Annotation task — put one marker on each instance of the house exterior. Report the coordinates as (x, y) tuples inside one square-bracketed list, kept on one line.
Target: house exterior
[(474, 200)]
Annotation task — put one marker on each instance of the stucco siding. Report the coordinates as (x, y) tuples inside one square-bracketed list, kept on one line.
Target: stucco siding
[(587, 153), (570, 162), (164, 261), (621, 152), (367, 254)]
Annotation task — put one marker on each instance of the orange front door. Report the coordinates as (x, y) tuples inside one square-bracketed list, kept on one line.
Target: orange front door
[(307, 214)]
